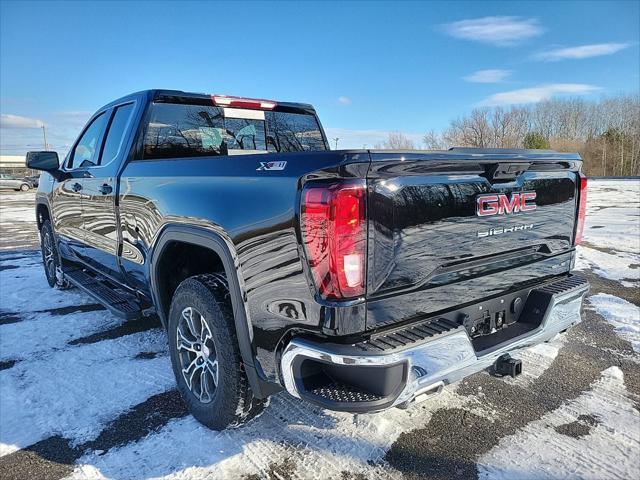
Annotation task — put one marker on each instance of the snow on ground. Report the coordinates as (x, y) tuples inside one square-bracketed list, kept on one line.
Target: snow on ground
[(611, 246), (621, 266), (11, 214), (327, 442), (560, 447), (58, 376), (25, 290), (18, 220), (613, 215), (26, 275), (76, 391), (57, 388), (623, 315), (17, 344), (611, 249)]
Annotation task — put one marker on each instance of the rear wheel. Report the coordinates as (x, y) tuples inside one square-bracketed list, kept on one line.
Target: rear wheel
[(51, 258), (205, 354)]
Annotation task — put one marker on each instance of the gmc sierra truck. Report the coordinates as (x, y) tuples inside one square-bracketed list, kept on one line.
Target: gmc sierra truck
[(357, 280)]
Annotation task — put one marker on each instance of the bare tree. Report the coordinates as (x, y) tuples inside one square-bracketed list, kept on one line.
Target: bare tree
[(433, 140), (396, 141), (606, 133)]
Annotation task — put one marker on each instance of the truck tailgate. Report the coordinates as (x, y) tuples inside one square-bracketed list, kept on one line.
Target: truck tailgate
[(453, 228)]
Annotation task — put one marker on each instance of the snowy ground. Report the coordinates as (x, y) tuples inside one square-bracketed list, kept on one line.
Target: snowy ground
[(84, 395), (18, 220)]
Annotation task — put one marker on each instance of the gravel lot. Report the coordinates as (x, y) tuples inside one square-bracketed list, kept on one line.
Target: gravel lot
[(84, 395)]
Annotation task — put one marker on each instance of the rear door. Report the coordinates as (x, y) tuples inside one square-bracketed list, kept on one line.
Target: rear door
[(99, 195), (451, 229)]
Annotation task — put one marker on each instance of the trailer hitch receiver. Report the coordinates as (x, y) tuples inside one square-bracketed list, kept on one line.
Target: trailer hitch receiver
[(506, 365)]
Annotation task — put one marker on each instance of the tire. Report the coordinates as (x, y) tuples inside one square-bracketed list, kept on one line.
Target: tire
[(201, 315), (51, 257), (24, 187)]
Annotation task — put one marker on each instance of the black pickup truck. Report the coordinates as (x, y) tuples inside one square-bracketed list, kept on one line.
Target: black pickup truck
[(357, 280)]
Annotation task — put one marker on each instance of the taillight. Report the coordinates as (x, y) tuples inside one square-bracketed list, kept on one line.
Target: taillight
[(582, 209), (333, 225)]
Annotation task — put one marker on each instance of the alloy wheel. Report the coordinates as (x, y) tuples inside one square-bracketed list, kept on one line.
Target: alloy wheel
[(197, 354), (49, 259)]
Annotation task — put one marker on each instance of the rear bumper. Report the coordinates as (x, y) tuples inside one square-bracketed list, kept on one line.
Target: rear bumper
[(371, 380)]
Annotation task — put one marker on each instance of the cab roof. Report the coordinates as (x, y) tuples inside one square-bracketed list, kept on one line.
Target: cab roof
[(191, 98)]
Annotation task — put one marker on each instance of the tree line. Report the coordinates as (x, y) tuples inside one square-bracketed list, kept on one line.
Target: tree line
[(606, 132)]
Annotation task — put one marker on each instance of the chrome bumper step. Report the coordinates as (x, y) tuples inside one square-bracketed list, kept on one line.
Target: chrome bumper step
[(409, 335), (410, 367)]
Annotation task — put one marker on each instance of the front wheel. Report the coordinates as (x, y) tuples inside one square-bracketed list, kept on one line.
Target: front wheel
[(24, 187), (205, 354), (51, 258)]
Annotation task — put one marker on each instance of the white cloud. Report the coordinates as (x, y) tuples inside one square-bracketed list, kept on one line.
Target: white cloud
[(537, 94), (344, 100), (488, 76), (358, 138), (582, 51), (499, 30), (16, 121), (21, 134), (72, 119)]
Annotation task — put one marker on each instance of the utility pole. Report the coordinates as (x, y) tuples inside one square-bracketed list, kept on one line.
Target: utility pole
[(336, 140), (44, 134)]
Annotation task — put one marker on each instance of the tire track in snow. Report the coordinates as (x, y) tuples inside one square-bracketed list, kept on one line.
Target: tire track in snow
[(127, 328), (309, 441)]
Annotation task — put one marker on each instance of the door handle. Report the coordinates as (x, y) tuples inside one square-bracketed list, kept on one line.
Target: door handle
[(105, 189), (76, 187)]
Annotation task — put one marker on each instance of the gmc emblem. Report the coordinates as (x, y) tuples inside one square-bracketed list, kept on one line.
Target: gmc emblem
[(501, 204)]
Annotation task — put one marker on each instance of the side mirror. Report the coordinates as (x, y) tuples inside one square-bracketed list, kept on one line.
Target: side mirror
[(47, 162)]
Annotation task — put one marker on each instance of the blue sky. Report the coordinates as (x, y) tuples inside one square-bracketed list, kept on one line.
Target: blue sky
[(368, 67)]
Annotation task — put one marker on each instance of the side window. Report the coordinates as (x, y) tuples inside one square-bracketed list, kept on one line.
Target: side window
[(84, 151), (115, 134)]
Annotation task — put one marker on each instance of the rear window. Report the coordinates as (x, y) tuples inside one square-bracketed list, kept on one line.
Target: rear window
[(179, 130), (293, 132)]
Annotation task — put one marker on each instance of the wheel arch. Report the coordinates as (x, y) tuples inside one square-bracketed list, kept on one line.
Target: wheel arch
[(223, 248), (43, 213)]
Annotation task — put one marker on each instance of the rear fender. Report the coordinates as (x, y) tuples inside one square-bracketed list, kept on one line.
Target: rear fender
[(215, 241)]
